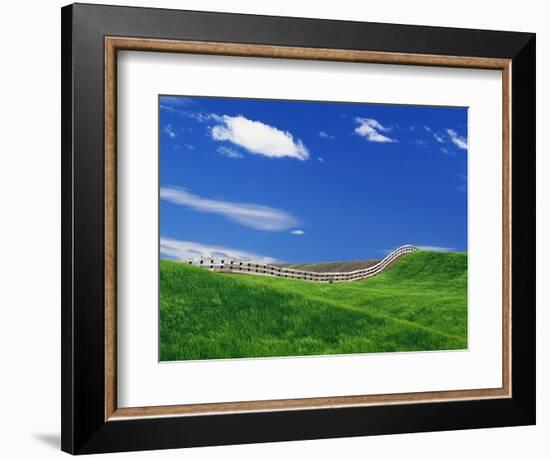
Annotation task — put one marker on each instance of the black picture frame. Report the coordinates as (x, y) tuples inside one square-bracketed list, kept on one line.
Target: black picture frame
[(84, 428)]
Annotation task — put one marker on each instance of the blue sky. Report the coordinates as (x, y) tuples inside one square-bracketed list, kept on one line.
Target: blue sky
[(295, 181)]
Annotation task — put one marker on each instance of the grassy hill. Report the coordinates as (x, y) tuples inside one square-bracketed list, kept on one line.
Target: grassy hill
[(418, 304)]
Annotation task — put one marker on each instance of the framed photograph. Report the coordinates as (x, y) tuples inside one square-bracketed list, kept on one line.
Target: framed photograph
[(281, 228)]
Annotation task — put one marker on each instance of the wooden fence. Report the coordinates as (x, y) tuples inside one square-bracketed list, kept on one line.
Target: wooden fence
[(237, 266)]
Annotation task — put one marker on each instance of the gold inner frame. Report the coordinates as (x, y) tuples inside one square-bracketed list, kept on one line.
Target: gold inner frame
[(114, 44)]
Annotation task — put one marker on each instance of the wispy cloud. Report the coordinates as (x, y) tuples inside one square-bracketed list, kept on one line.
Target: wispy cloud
[(168, 130), (439, 138), (463, 187), (180, 250), (297, 232), (371, 128), (440, 249), (175, 101), (183, 106), (320, 159), (323, 134), (449, 135), (259, 138), (168, 108), (422, 143), (459, 141), (187, 146), (229, 152), (258, 217), (174, 104), (202, 116)]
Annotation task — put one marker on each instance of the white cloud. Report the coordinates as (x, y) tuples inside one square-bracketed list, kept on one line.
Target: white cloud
[(183, 249), (371, 128), (459, 141), (297, 232), (258, 217), (440, 249), (169, 131), (259, 138), (320, 159), (323, 134), (229, 152)]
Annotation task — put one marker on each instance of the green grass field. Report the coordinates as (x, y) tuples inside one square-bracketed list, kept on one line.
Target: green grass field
[(418, 304)]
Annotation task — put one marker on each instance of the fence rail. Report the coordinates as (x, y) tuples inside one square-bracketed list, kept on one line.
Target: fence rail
[(237, 266)]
